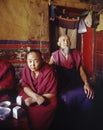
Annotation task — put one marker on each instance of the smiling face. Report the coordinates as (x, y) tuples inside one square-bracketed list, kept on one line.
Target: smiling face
[(64, 42), (34, 61)]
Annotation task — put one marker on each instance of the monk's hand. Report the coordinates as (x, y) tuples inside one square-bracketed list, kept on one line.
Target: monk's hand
[(88, 91), (40, 100), (28, 101)]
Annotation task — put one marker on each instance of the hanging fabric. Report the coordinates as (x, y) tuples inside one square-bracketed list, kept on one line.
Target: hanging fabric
[(72, 33), (52, 13), (68, 26), (62, 31), (88, 19), (82, 27), (67, 23)]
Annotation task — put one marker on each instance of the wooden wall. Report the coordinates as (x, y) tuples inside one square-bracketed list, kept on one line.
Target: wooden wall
[(72, 3)]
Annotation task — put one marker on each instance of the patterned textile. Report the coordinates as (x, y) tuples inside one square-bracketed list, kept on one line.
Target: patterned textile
[(67, 23), (15, 52)]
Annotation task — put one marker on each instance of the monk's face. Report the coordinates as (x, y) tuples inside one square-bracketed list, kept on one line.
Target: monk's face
[(64, 42), (34, 61)]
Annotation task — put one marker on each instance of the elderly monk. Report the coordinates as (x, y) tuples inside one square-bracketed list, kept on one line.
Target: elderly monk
[(74, 90)]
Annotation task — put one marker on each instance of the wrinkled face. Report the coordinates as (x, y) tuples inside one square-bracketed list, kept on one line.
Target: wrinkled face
[(34, 61), (64, 42)]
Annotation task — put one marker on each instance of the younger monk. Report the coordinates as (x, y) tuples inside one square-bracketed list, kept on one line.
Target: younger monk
[(39, 91)]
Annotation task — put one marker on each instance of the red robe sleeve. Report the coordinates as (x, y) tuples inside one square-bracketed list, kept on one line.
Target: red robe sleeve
[(7, 75), (45, 83), (77, 58)]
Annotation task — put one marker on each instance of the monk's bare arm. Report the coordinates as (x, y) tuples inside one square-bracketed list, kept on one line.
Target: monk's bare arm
[(38, 98), (51, 61), (87, 89), (83, 75)]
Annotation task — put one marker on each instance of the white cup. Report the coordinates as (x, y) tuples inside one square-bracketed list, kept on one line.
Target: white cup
[(19, 100), (16, 112)]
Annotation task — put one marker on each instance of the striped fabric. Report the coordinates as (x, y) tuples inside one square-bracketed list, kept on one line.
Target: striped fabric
[(15, 51)]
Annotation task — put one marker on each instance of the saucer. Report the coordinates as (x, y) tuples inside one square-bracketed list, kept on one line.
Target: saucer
[(5, 104)]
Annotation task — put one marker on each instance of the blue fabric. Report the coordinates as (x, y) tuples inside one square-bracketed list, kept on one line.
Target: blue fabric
[(76, 99)]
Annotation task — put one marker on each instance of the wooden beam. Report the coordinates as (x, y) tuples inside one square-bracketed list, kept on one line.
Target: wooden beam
[(72, 3)]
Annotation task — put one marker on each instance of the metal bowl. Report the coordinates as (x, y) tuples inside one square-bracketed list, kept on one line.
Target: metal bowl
[(4, 112)]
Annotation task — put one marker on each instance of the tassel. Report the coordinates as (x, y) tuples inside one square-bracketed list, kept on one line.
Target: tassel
[(52, 14)]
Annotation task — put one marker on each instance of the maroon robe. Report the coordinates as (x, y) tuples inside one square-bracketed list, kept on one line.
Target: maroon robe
[(7, 79), (68, 70), (67, 63), (41, 115)]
